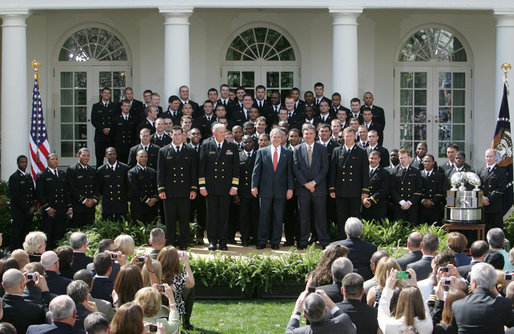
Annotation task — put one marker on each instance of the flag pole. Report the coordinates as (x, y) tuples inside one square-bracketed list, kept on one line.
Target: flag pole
[(35, 66), (506, 67)]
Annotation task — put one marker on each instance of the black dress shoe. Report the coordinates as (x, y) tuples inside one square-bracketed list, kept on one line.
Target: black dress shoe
[(259, 247), (275, 247), (212, 247), (289, 243), (302, 246), (244, 243), (223, 247), (313, 241), (232, 241), (188, 326)]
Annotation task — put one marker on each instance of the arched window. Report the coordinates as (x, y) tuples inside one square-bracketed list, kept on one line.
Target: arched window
[(93, 44), (432, 45), (260, 43)]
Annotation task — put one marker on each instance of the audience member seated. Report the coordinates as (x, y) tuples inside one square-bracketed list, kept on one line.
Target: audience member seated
[(340, 268), (149, 299), (172, 274), (414, 247), (410, 309), (128, 282), (36, 291), (63, 312), (442, 316), (478, 250), (384, 266), (157, 240), (483, 311), (496, 239), (147, 276), (102, 283), (360, 251), (35, 245), (373, 266), (443, 259), (56, 283), (501, 283), (107, 245), (17, 311), (363, 316), (65, 254), (495, 259), (7, 328), (129, 319), (429, 246), (313, 306), (457, 242), (78, 241), (21, 257), (321, 275), (6, 264), (97, 323), (103, 306), (125, 244), (78, 291)]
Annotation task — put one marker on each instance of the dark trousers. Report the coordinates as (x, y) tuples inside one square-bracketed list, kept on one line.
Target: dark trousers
[(291, 221), (21, 226), (346, 208), (217, 218), (430, 215), (114, 217), (317, 205), (53, 228), (81, 219), (177, 209), (100, 148), (376, 212), (248, 218), (410, 215), (270, 218), (142, 212), (188, 294), (198, 208), (492, 220), (233, 220)]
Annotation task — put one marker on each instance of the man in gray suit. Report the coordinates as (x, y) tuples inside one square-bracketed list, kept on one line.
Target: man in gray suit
[(273, 182), (310, 169), (429, 246)]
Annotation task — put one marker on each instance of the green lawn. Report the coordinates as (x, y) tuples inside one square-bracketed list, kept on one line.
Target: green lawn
[(241, 316)]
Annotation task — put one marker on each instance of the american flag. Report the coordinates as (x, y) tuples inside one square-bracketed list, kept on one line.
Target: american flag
[(39, 146)]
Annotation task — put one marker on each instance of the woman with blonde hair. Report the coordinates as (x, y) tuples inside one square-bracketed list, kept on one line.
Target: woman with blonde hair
[(125, 244), (35, 245), (149, 299), (384, 265), (410, 309), (148, 279), (129, 320)]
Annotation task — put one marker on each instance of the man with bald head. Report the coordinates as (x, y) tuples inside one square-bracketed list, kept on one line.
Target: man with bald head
[(494, 180), (64, 315), (414, 247)]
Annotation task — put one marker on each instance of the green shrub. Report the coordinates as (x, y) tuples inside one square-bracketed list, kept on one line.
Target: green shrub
[(386, 232), (509, 228)]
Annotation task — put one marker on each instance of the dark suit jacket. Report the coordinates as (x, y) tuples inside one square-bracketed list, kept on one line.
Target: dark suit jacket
[(379, 186), (23, 194), (349, 172), (102, 117), (333, 291), (218, 172), (271, 183), (360, 255), (153, 153), (102, 288), (482, 312), (384, 154), (465, 270), (422, 267), (177, 173), (378, 113), (493, 186), (316, 172), (56, 283), (82, 183), (363, 316), (409, 258), (20, 313), (80, 261), (53, 192), (54, 328), (113, 187), (338, 323), (245, 174)]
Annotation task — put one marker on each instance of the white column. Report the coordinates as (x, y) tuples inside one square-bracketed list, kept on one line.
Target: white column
[(504, 53), (15, 111), (176, 49), (345, 57)]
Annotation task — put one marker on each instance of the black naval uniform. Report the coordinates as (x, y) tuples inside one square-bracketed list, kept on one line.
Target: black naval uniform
[(203, 123), (102, 116), (125, 135), (143, 186), (348, 179), (153, 154), (248, 205), (432, 190), (113, 187), (406, 186), (384, 154), (379, 186), (52, 192), (218, 172), (161, 141), (177, 176), (83, 184), (493, 185), (23, 198), (198, 205)]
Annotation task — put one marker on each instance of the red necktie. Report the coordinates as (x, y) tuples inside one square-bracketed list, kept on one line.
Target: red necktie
[(275, 160)]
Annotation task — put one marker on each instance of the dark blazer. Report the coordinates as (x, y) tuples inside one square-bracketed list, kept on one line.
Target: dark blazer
[(23, 194), (360, 255), (245, 174), (218, 172), (407, 187), (174, 116), (53, 191), (153, 153), (465, 270), (82, 184), (493, 186), (102, 117), (378, 114), (417, 163), (143, 185), (204, 125), (145, 124), (163, 141), (409, 258), (102, 288), (80, 261), (422, 267), (316, 172), (271, 183), (482, 312), (332, 144), (338, 323), (384, 154), (54, 328), (113, 187), (56, 283), (379, 187), (349, 172), (193, 104), (177, 173), (124, 133), (333, 291), (20, 313), (363, 316)]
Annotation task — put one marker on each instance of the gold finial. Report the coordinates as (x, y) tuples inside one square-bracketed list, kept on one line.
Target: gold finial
[(506, 67), (35, 66)]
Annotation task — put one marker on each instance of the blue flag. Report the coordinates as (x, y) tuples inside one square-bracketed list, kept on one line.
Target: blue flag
[(502, 144)]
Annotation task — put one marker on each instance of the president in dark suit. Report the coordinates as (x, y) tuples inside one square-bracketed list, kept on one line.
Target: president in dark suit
[(310, 169), (273, 182), (494, 181)]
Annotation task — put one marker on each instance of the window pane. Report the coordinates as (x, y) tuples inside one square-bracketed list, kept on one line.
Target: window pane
[(458, 115), (272, 79), (80, 96), (80, 79), (238, 44), (406, 79), (248, 37), (445, 98), (66, 79), (420, 80), (67, 149), (442, 149), (420, 115), (80, 131), (66, 114), (80, 114), (233, 54), (260, 34), (458, 97), (287, 55), (445, 115), (445, 132), (118, 79), (406, 115), (405, 97), (420, 97), (458, 132), (233, 78), (248, 79), (105, 79), (66, 131), (286, 80), (66, 97), (420, 132), (445, 80), (405, 131), (116, 95), (459, 80)]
